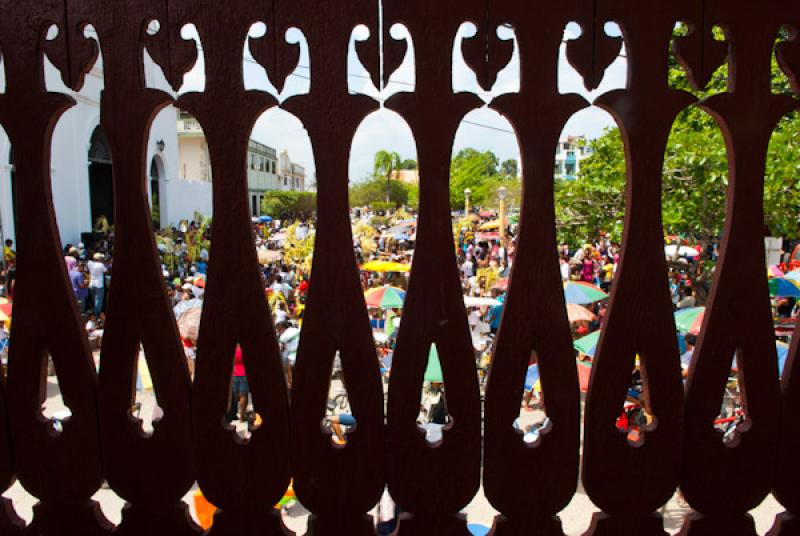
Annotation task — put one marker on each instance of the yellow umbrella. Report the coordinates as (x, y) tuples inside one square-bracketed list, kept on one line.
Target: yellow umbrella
[(385, 266), (494, 224)]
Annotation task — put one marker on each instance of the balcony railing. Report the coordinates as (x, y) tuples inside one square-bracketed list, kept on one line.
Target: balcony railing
[(527, 485)]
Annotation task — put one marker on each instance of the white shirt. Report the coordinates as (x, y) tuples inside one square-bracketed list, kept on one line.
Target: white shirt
[(290, 340), (97, 272), (466, 269), (565, 271)]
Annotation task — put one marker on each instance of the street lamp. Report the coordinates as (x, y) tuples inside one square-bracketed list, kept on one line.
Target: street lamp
[(467, 194), (501, 195)]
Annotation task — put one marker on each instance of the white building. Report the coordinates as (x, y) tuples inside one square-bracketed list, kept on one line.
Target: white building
[(81, 164), (291, 176), (262, 173), (266, 171), (569, 154)]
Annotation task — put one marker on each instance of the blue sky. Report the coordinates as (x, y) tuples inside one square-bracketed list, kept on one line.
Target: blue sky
[(482, 129)]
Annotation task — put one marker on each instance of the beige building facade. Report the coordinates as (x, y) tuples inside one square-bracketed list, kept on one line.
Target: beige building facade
[(266, 170)]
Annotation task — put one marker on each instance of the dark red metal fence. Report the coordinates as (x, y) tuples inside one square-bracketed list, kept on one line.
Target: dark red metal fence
[(528, 485)]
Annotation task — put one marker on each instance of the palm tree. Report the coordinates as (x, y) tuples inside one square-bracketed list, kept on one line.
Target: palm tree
[(385, 164)]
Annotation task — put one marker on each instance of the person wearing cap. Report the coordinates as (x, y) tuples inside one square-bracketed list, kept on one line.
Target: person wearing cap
[(97, 291)]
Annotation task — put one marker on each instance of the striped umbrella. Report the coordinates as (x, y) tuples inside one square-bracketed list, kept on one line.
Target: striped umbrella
[(531, 377), (578, 313), (794, 275), (690, 320), (385, 297), (774, 271), (587, 344), (785, 287), (433, 372), (783, 352), (582, 293)]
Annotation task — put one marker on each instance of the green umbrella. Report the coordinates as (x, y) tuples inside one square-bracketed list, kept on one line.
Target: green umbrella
[(434, 371), (588, 343)]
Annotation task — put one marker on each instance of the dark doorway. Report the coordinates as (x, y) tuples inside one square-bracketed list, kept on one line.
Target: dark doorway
[(101, 184), (155, 195)]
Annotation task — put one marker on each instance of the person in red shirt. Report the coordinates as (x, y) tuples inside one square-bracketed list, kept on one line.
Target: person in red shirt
[(241, 390)]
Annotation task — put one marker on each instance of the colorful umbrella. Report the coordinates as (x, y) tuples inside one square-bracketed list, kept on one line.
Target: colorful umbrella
[(783, 352), (478, 530), (582, 293), (785, 287), (486, 214), (385, 297), (385, 266), (690, 320), (794, 275), (433, 373), (531, 377), (577, 313), (774, 271), (587, 344), (5, 310)]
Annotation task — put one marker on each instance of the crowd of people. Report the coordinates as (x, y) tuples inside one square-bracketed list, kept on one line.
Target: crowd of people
[(384, 250)]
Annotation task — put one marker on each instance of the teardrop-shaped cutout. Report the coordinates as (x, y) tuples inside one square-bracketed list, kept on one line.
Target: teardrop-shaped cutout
[(533, 421), (240, 418), (636, 418), (54, 408), (289, 340), (339, 420), (434, 415), (145, 409), (732, 420)]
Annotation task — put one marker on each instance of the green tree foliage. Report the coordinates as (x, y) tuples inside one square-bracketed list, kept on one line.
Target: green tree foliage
[(386, 163), (285, 205), (695, 176), (510, 168), (374, 190), (482, 174)]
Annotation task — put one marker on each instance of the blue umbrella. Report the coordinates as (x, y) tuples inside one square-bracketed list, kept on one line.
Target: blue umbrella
[(783, 353), (531, 377), (264, 219), (478, 530)]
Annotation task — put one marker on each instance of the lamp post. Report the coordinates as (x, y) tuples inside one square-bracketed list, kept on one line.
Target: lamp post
[(501, 195), (467, 194)]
